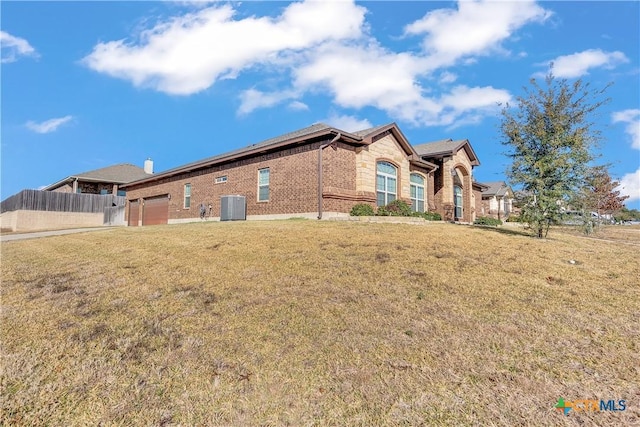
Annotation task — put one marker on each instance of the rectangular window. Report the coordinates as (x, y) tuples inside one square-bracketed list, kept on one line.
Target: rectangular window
[(263, 185), (187, 196), (221, 179), (417, 198), (417, 192)]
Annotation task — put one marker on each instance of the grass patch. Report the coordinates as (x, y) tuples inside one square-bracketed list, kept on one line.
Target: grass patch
[(316, 323)]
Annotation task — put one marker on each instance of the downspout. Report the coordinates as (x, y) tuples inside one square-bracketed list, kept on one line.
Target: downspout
[(320, 182)]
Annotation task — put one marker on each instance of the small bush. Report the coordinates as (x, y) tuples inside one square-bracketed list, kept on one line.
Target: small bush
[(485, 220), (514, 218), (395, 208), (362, 209), (382, 211), (432, 216)]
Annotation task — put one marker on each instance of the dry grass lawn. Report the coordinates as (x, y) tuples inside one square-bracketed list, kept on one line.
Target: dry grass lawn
[(308, 323)]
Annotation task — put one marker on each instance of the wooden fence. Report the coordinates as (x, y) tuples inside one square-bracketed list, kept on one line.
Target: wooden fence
[(36, 200)]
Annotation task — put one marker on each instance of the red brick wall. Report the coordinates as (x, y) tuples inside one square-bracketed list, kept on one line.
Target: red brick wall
[(292, 188), (339, 179)]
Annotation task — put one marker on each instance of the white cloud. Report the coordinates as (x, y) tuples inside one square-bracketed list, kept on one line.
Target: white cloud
[(630, 186), (390, 84), (347, 123), (324, 48), (12, 47), (195, 3), (475, 28), (578, 64), (48, 126), (298, 106), (632, 118), (465, 105), (187, 54), (447, 77), (253, 99)]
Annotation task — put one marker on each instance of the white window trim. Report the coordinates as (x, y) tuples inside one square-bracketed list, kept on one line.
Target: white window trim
[(461, 205), (424, 191), (221, 179), (184, 201), (386, 177), (268, 185)]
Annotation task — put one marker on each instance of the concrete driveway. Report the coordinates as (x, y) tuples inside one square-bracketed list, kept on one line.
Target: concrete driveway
[(39, 234)]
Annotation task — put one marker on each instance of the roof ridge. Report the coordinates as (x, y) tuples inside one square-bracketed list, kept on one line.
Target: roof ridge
[(106, 167), (438, 141), (291, 134)]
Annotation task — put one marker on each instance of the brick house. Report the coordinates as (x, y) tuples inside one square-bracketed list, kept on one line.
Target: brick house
[(454, 191), (497, 200), (102, 181), (316, 172)]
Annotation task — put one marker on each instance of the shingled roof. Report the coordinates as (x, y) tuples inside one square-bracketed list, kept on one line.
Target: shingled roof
[(314, 131), (317, 130), (116, 174), (498, 188), (446, 147), (365, 132)]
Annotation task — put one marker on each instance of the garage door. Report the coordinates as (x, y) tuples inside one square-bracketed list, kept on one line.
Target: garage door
[(134, 213), (155, 210)]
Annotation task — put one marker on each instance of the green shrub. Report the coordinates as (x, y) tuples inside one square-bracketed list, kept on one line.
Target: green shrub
[(485, 220), (514, 218), (395, 208), (362, 209), (382, 211), (432, 216)]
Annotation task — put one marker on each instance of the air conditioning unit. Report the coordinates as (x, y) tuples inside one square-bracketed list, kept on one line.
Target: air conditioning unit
[(233, 208)]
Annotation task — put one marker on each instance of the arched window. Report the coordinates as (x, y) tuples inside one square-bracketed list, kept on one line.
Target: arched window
[(417, 192), (386, 183)]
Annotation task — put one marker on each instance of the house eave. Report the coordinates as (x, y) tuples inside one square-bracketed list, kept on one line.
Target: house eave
[(249, 152), (417, 161)]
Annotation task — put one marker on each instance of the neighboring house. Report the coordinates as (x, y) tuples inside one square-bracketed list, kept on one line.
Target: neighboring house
[(497, 200), (88, 199), (316, 172), (102, 181)]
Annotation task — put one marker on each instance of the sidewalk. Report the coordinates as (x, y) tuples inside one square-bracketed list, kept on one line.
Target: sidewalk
[(39, 234)]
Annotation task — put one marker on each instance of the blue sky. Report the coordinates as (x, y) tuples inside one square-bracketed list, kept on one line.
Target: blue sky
[(91, 84)]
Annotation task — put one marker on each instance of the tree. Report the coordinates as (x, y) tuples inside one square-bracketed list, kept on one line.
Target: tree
[(551, 140), (599, 195), (626, 214)]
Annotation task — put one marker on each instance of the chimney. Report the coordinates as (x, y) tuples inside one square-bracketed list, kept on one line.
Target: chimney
[(148, 166)]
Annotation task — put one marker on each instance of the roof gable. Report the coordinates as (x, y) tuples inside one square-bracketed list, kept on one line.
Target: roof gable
[(373, 134), (445, 148), (497, 188)]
